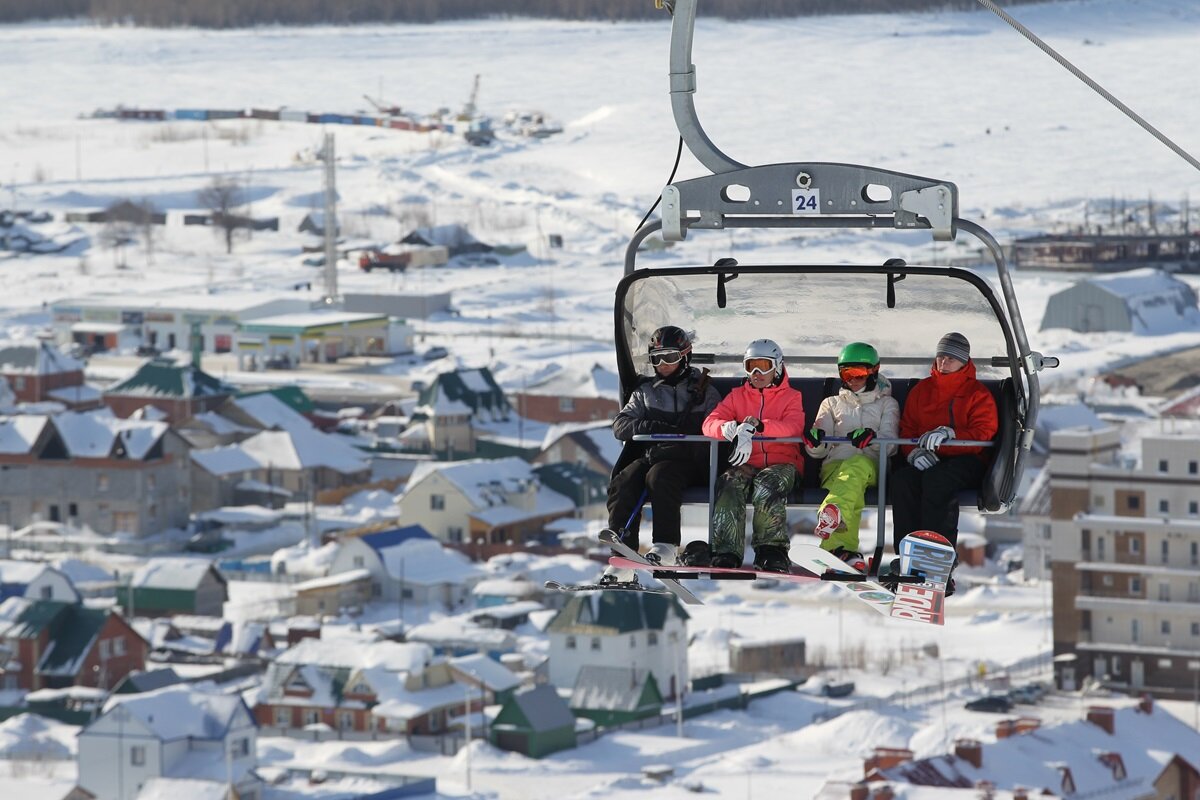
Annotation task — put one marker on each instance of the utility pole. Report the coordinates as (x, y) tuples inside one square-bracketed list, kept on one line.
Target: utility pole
[(331, 287)]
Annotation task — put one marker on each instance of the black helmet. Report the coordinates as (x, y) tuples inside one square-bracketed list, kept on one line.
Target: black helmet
[(670, 339)]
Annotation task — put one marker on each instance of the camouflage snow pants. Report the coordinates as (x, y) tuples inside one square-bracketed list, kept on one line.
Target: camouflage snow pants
[(767, 489)]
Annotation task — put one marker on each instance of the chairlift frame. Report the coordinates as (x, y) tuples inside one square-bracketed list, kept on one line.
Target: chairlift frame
[(836, 195)]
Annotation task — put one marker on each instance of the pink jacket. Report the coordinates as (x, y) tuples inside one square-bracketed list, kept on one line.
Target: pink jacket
[(781, 409)]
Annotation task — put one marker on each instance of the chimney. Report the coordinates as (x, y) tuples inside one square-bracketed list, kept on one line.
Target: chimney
[(886, 758), (1146, 704), (1026, 725), (1006, 728), (884, 793), (1020, 793), (969, 750), (860, 791), (1102, 716)]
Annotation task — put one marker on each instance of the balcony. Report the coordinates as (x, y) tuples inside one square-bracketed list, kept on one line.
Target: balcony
[(1099, 602)]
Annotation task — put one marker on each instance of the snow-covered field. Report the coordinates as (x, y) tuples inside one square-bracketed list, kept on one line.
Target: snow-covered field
[(956, 96)]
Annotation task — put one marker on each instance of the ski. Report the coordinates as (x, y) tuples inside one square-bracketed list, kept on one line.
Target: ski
[(681, 572), (932, 556), (611, 539), (619, 586), (830, 567)]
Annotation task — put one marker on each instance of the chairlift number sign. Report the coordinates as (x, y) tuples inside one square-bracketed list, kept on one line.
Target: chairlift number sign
[(806, 201)]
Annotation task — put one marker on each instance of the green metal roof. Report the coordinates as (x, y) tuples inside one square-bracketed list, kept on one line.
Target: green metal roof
[(615, 612), (70, 630), (455, 387), (291, 396), (161, 378)]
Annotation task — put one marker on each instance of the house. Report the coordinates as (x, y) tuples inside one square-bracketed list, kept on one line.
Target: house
[(333, 593), (53, 645), (612, 696), (407, 564), (617, 629), (570, 395), (450, 408), (455, 238), (176, 733), (39, 372), (274, 465), (588, 444), (462, 635), (535, 721), (357, 685), (166, 586), (1145, 302), (486, 674), (481, 502), (1134, 751), (93, 470), (583, 486), (35, 581), (314, 223), (180, 391), (503, 591)]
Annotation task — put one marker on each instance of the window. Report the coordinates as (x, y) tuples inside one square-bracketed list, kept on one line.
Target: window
[(358, 561), (1196, 629), (72, 509), (1164, 592), (595, 642), (118, 647), (346, 720), (312, 717), (1166, 627), (1166, 551), (361, 688), (566, 404), (1163, 466), (1100, 548), (19, 382), (652, 638), (1133, 502), (570, 642), (283, 717), (151, 482), (1135, 585), (1195, 552), (241, 747), (1135, 545), (152, 511), (1194, 468), (437, 502), (137, 755), (104, 649), (1135, 631), (1106, 580), (47, 593), (1164, 506), (454, 533), (101, 482), (633, 640), (1098, 501)]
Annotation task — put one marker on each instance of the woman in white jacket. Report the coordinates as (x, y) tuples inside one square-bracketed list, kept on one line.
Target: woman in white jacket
[(863, 410)]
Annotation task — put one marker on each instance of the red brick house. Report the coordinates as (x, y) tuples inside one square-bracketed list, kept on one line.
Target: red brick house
[(179, 391), (38, 371), (45, 644), (570, 396)]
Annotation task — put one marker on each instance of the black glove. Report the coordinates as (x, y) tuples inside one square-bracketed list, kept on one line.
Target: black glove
[(650, 426), (813, 437), (862, 437)]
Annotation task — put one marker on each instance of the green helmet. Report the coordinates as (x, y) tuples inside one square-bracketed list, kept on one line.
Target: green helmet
[(858, 353)]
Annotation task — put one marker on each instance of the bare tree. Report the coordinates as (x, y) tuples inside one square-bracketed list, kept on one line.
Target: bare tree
[(222, 197)]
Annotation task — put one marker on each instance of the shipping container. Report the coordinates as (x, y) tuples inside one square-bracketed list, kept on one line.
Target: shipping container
[(401, 124), (225, 114), (263, 113), (288, 115), (191, 113)]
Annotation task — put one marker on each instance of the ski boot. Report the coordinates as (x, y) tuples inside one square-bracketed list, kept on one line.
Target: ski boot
[(613, 574), (697, 554), (772, 558), (661, 554), (852, 558)]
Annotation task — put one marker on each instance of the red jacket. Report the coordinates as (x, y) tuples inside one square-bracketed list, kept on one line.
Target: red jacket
[(781, 409), (958, 400)]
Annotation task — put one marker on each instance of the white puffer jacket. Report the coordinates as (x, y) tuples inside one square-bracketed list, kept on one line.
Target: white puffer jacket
[(846, 412)]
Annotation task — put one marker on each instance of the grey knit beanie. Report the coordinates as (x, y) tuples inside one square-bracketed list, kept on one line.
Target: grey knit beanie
[(955, 345)]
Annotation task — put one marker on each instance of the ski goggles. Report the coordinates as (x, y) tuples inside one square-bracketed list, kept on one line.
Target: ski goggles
[(764, 365), (851, 372), (666, 357)]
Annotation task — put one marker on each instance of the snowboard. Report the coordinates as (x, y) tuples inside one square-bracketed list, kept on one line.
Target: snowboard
[(681, 572), (819, 562), (625, 586), (611, 539), (931, 555)]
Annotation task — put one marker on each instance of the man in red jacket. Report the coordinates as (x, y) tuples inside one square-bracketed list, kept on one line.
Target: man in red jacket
[(950, 404), (762, 472)]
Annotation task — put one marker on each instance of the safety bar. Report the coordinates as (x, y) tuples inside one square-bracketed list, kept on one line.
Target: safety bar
[(880, 538)]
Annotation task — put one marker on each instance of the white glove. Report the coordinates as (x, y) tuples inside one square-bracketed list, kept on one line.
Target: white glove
[(932, 440), (743, 445), (922, 459), (729, 430)]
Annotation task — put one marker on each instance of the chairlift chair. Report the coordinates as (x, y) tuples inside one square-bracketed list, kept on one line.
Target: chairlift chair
[(727, 304)]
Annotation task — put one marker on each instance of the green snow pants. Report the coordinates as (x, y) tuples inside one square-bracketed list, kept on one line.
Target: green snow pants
[(846, 482), (767, 489)]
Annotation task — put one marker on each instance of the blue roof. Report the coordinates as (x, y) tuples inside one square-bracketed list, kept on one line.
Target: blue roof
[(390, 538)]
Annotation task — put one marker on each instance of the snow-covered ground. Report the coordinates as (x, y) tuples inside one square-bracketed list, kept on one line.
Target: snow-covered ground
[(956, 96)]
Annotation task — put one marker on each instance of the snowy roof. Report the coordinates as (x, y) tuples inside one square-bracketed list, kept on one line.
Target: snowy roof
[(506, 587), (95, 434), (596, 437), (543, 708), (184, 302), (171, 573), (19, 434), (304, 449), (1137, 282), (36, 358), (595, 381), (460, 631), (610, 688), (489, 483), (161, 378), (425, 562), (270, 412), (19, 573), (338, 579), (183, 789), (79, 393), (488, 671), (181, 712), (403, 704), (226, 460), (382, 540), (358, 652), (220, 425), (297, 322)]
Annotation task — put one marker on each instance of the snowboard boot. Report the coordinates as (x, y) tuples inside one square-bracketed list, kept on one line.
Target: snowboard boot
[(950, 587), (828, 521), (661, 554), (852, 558), (726, 561), (697, 554), (772, 558)]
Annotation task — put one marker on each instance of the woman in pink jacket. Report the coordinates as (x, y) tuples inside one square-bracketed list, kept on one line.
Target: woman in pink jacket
[(761, 472)]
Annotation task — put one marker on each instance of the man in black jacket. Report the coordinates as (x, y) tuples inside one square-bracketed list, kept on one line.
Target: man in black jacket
[(676, 399)]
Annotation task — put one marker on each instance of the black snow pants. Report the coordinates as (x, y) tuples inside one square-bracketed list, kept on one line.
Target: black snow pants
[(664, 483), (927, 500)]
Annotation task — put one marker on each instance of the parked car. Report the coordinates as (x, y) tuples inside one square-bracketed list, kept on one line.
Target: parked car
[(1025, 694), (998, 703), (435, 352)]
